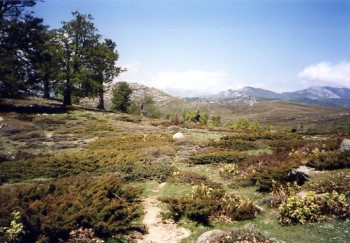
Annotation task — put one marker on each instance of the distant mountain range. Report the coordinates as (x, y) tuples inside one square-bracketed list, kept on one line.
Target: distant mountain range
[(314, 95)]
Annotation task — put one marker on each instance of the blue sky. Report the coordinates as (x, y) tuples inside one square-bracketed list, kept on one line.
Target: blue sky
[(192, 47)]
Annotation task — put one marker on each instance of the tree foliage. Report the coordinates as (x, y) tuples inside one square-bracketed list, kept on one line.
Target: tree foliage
[(121, 93), (72, 60), (22, 37), (102, 61)]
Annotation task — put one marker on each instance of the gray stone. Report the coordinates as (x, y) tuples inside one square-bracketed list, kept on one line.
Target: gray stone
[(301, 174), (1, 119), (345, 145), (207, 236)]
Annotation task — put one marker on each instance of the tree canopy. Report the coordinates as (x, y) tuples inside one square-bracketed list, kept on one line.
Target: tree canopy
[(121, 93), (72, 62)]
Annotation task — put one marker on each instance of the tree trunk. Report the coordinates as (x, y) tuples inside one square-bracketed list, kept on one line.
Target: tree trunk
[(101, 104), (67, 97), (46, 89)]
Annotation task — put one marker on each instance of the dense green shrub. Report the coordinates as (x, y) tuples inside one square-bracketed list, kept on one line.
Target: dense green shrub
[(303, 145), (313, 208), (328, 181), (107, 154), (271, 167), (215, 120), (218, 157), (253, 136), (329, 160), (104, 204), (208, 203), (228, 142), (280, 145), (244, 125), (192, 178), (159, 172)]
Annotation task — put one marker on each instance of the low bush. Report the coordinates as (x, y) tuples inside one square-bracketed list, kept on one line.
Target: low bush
[(271, 167), (192, 178), (119, 154), (50, 211), (253, 136), (228, 142), (217, 157), (158, 171), (286, 145), (312, 208), (329, 160), (207, 203), (244, 125), (229, 171), (328, 181), (280, 193)]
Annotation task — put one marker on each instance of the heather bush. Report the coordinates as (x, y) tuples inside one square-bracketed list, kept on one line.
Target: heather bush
[(157, 171), (217, 157), (229, 142), (280, 145), (118, 153), (50, 211), (207, 203), (244, 125), (329, 181), (271, 167), (253, 136), (329, 160), (192, 178)]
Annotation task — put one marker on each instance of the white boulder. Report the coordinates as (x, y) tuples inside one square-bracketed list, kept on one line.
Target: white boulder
[(178, 135)]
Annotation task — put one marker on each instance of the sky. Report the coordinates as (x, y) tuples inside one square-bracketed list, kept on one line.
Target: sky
[(197, 47)]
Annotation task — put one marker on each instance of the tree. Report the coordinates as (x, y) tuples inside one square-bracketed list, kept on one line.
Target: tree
[(149, 108), (121, 93), (76, 38), (10, 9), (45, 64), (102, 61), (20, 34)]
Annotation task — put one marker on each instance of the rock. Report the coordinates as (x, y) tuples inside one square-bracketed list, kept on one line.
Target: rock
[(178, 135), (301, 174), (345, 145), (207, 236), (1, 119), (250, 226), (301, 194)]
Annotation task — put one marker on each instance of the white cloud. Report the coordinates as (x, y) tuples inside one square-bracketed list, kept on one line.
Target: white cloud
[(132, 71), (326, 73), (196, 81)]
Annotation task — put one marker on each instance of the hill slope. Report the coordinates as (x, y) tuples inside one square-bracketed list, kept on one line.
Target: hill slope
[(164, 102)]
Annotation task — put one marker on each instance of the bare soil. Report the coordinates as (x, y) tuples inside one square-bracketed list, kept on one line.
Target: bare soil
[(160, 231)]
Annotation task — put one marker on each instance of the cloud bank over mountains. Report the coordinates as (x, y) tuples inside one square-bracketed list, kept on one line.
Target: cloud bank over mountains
[(326, 73), (190, 83)]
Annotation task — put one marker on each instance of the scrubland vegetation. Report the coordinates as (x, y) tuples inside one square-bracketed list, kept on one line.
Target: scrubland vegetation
[(79, 174)]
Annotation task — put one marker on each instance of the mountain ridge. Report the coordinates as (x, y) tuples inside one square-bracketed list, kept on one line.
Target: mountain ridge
[(324, 95)]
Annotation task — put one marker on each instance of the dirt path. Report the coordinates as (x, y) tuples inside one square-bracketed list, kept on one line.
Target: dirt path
[(160, 231)]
